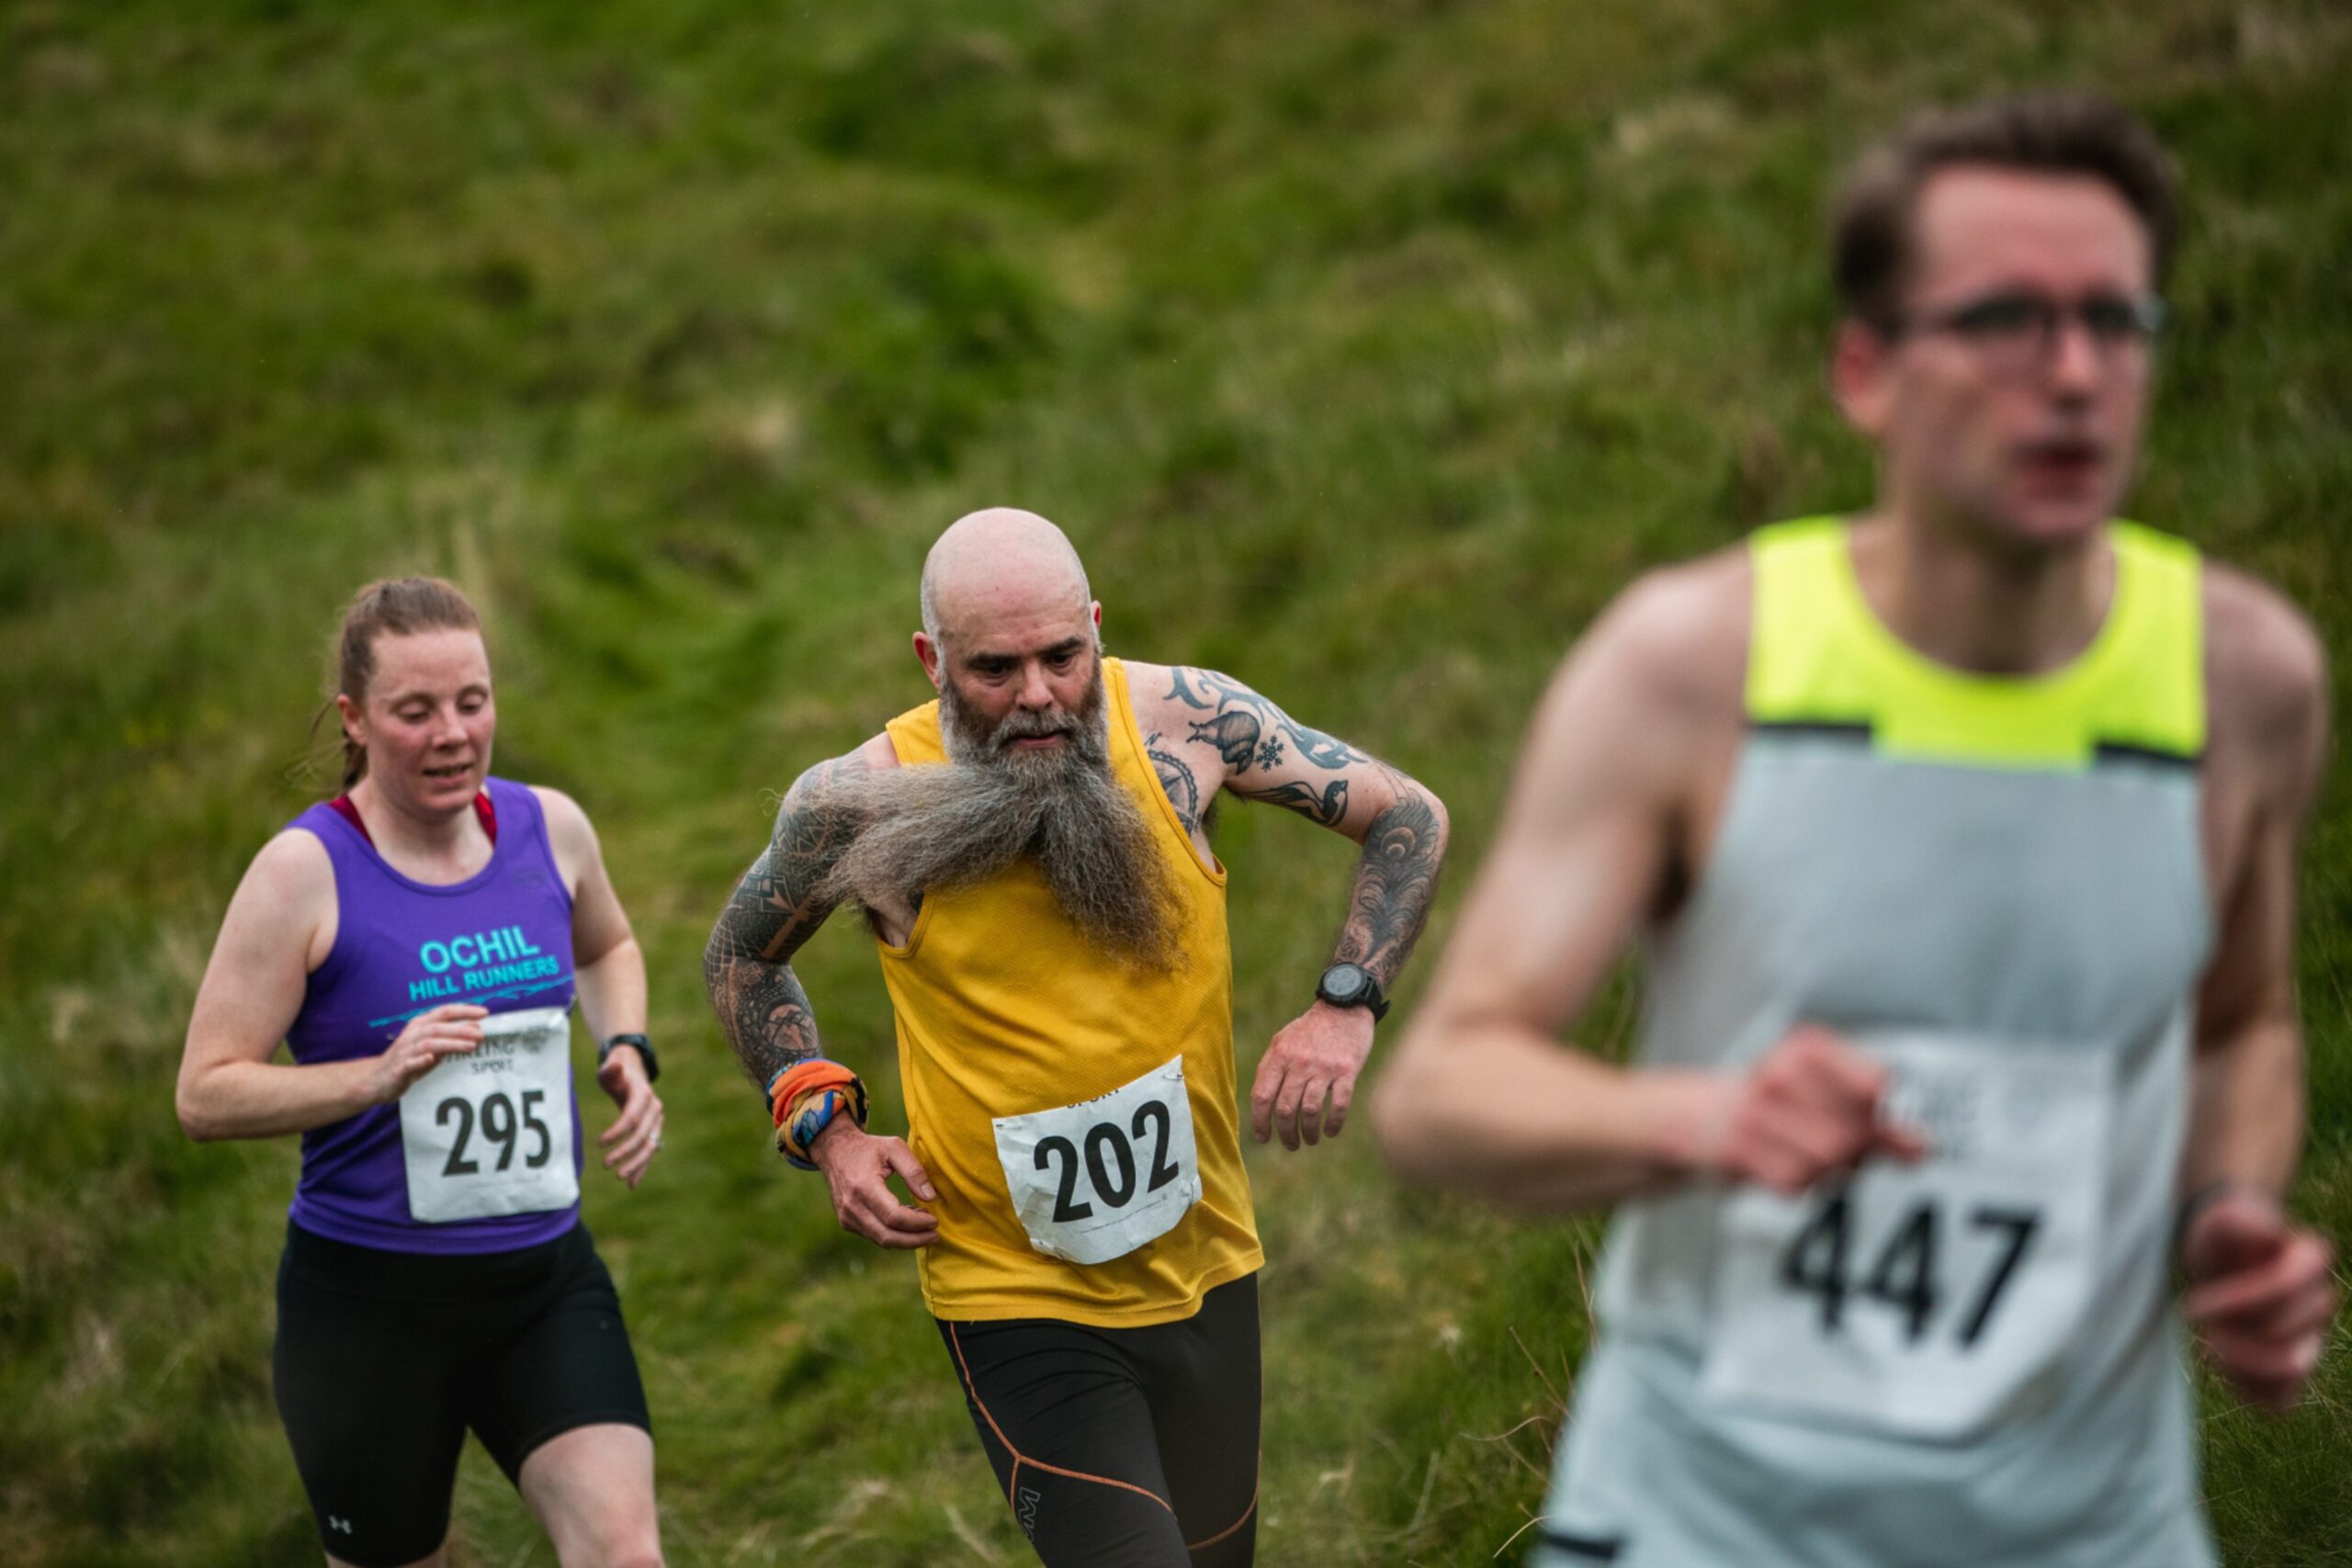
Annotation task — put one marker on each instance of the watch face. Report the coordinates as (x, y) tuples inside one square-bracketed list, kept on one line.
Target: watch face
[(1344, 983)]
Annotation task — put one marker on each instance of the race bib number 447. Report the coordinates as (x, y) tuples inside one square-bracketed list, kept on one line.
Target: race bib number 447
[(1927, 1300), (491, 1132), (1096, 1181)]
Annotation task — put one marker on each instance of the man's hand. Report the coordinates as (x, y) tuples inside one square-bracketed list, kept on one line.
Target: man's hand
[(2261, 1294), (1813, 1106), (858, 1165), (636, 1132), (1317, 1054)]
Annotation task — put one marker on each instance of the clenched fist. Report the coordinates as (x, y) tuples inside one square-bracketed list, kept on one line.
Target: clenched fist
[(1813, 1106)]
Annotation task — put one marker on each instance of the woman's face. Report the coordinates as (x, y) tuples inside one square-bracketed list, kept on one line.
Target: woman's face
[(427, 720)]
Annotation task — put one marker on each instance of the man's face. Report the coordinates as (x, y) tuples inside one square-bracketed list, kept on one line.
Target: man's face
[(1019, 685), (1024, 714), (2011, 395)]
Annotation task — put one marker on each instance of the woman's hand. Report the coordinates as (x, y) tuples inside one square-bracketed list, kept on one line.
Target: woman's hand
[(636, 1132), (453, 1028)]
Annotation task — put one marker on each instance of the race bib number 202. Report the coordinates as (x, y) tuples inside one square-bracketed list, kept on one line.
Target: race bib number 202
[(491, 1132), (1925, 1301), (1096, 1181)]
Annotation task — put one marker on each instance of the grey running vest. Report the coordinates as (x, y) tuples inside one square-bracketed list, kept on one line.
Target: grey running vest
[(1994, 885)]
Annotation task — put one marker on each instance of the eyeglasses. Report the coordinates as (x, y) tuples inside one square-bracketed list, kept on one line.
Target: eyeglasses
[(2016, 332)]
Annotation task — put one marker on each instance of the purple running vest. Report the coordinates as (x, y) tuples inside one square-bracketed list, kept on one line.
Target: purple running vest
[(501, 939)]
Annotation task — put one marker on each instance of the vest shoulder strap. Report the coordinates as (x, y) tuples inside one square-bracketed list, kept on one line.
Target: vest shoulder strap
[(914, 735), (1800, 663), (2155, 700)]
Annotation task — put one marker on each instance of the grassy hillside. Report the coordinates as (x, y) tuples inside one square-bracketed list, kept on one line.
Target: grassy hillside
[(1365, 346)]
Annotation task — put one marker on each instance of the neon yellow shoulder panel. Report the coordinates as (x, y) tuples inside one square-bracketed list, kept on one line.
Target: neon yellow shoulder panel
[(1818, 656)]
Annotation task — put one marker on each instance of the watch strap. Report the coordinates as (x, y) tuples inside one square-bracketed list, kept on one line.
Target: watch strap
[(1369, 997), (644, 1051)]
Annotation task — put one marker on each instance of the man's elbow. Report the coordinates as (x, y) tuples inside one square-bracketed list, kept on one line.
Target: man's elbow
[(1391, 1132), (717, 958), (1423, 810), (1403, 1102)]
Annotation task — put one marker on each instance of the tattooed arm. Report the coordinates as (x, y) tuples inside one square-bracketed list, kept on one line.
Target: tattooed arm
[(747, 968), (1263, 754), (1213, 733)]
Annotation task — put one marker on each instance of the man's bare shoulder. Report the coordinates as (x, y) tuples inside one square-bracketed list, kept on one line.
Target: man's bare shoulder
[(874, 755), (1677, 637), (2265, 669), (1143, 675), (819, 778), (1651, 697), (1177, 698), (1154, 689)]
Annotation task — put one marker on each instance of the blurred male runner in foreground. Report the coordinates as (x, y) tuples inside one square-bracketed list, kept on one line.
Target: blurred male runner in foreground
[(1962, 834), (1052, 930)]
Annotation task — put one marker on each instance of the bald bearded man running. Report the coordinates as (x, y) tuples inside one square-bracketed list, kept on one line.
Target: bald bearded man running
[(1031, 854)]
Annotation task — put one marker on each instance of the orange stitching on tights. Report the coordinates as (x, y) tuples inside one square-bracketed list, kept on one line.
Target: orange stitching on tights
[(1020, 1458), (1204, 1545)]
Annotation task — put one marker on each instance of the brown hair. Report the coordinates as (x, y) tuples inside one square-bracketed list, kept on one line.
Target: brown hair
[(2046, 132), (393, 607)]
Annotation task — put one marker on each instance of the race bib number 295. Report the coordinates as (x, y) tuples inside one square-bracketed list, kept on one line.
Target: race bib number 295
[(1096, 1181), (491, 1132), (1925, 1301)]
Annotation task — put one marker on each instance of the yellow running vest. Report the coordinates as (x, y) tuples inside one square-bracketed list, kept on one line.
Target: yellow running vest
[(1004, 1009)]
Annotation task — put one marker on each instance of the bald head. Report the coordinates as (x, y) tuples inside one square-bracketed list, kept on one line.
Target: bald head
[(1000, 565)]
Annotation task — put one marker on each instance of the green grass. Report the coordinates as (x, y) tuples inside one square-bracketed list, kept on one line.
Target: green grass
[(1365, 346)]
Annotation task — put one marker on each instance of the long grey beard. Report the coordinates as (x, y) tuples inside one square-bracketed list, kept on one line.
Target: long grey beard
[(991, 805)]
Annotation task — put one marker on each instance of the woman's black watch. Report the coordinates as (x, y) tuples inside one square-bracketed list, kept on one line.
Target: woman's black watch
[(1351, 986), (644, 1049)]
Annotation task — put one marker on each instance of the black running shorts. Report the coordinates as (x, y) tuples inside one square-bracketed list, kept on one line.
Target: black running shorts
[(1122, 1447), (384, 1360)]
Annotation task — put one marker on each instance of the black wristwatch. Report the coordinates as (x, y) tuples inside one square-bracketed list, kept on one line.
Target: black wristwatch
[(644, 1049), (1351, 986)]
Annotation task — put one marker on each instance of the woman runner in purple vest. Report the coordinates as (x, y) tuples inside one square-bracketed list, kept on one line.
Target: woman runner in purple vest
[(418, 942)]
